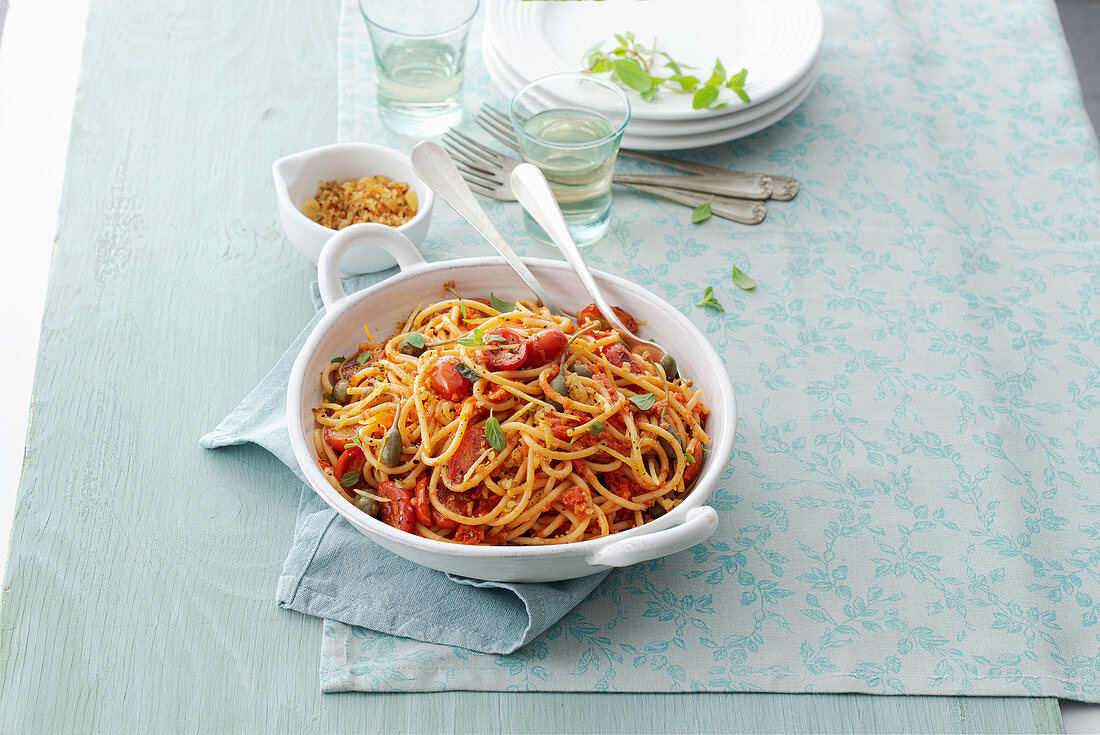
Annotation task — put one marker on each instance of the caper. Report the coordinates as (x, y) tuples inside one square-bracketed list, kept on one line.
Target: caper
[(407, 348), (340, 391), (391, 448), (670, 452), (655, 511), (668, 363), (367, 505), (560, 387), (582, 370)]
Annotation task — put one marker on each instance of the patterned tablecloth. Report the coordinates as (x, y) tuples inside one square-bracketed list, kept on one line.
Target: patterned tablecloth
[(913, 502)]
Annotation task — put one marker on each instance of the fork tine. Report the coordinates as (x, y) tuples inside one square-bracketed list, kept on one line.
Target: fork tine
[(470, 174), (497, 119), (490, 127), (469, 152), (470, 159), (499, 113), (488, 153), (500, 193)]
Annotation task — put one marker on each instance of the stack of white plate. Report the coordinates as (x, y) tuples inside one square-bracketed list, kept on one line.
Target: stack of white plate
[(778, 41)]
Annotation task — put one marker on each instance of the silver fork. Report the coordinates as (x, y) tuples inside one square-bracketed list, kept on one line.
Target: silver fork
[(489, 173), (782, 188)]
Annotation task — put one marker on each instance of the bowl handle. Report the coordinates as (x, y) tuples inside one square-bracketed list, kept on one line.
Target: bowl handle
[(387, 238), (698, 527)]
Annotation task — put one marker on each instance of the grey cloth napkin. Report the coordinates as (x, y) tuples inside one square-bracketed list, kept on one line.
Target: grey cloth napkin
[(335, 572)]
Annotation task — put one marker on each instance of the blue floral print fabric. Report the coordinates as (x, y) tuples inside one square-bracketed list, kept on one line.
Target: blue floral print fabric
[(913, 505)]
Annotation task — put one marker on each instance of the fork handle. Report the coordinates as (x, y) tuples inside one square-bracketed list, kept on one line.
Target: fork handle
[(744, 211), (755, 187), (784, 188)]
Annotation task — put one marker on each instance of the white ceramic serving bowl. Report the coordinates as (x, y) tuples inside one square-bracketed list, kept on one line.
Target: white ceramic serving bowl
[(385, 306), (296, 178)]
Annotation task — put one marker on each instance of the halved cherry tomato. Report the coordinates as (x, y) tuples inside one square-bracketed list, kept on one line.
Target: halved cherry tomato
[(592, 313), (338, 439), (469, 534), (350, 460), (691, 471), (399, 511), (469, 449), (507, 355), (545, 346), (448, 382), (618, 355), (421, 503)]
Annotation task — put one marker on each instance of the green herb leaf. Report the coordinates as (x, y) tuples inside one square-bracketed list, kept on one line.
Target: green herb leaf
[(495, 338), (416, 339), (704, 97), (338, 360), (467, 372), (633, 75), (330, 398), (596, 428), (502, 306), (686, 81), (702, 212), (362, 359), (462, 309), (690, 459), (476, 341), (494, 434), (742, 280), (718, 76), (710, 300), (645, 401), (349, 479)]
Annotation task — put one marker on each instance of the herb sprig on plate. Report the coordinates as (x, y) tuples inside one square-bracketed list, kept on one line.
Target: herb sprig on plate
[(647, 70)]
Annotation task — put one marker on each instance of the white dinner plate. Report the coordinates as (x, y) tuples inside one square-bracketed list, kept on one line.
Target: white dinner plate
[(776, 40), (508, 82), (667, 135)]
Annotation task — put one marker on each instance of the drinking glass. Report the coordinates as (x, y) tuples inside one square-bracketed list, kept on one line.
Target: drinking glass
[(419, 55), (570, 126)]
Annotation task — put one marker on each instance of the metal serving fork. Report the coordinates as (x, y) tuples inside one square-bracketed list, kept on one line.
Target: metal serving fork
[(489, 173)]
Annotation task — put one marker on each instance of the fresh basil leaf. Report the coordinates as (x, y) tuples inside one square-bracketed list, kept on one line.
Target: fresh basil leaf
[(633, 75), (710, 300), (502, 306), (645, 401), (690, 459), (602, 65), (337, 360), (494, 434), (742, 280), (596, 428), (467, 372), (362, 359), (349, 479), (704, 96), (702, 212), (742, 94), (415, 339), (495, 338)]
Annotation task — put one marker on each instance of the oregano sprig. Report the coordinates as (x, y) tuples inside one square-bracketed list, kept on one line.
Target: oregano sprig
[(647, 70)]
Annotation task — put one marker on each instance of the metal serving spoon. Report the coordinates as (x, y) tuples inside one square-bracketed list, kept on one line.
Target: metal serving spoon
[(532, 191), (437, 169)]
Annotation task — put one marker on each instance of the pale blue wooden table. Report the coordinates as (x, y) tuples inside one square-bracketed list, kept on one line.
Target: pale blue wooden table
[(141, 576)]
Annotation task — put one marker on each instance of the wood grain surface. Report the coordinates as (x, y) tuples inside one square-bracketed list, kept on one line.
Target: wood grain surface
[(141, 577)]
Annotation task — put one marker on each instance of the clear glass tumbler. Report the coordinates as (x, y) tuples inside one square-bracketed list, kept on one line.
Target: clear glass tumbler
[(419, 57), (570, 126)]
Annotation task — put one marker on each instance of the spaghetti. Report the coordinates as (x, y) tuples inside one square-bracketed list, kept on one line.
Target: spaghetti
[(486, 422)]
